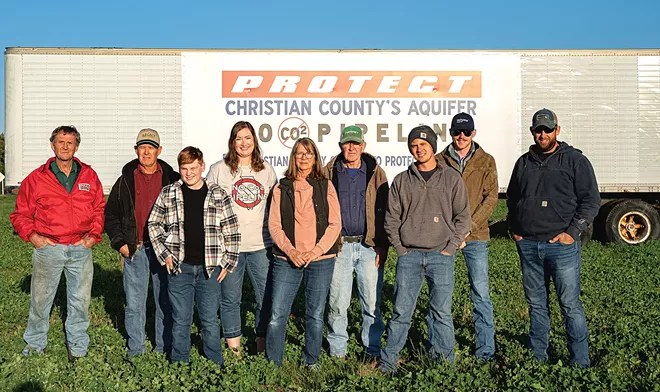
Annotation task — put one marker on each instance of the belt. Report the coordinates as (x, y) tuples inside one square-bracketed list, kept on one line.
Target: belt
[(352, 238)]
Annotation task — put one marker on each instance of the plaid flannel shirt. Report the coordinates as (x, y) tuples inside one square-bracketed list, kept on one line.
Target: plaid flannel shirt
[(221, 234)]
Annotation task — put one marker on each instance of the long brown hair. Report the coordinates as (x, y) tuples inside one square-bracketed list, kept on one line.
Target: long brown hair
[(231, 158), (309, 145)]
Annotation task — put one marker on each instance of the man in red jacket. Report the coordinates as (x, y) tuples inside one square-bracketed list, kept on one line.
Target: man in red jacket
[(59, 210)]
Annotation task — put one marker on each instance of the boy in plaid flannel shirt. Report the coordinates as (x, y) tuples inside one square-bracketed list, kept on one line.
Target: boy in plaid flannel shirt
[(194, 231)]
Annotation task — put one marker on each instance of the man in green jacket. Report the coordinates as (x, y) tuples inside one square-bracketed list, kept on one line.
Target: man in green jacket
[(478, 170)]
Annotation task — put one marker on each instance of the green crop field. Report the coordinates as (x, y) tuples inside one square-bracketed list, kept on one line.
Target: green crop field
[(620, 292)]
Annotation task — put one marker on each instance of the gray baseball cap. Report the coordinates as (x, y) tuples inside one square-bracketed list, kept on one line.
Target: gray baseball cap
[(544, 118)]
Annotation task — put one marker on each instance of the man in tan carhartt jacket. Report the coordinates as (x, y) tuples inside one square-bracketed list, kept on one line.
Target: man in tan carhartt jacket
[(477, 168)]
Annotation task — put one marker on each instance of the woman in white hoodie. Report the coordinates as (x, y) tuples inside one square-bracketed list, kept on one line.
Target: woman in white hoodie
[(244, 175)]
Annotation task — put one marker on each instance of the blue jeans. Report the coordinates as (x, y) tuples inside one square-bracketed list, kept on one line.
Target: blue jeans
[(362, 259), (186, 288), (476, 258), (286, 281), (541, 261), (47, 266), (259, 270), (136, 284), (411, 268)]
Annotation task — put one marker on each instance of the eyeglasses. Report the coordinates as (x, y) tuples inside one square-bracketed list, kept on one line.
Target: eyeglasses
[(456, 132), (544, 129), (308, 155)]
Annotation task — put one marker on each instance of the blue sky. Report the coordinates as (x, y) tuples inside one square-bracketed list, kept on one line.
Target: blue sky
[(338, 24)]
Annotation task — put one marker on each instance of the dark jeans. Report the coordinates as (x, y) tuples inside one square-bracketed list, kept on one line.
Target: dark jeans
[(258, 265), (286, 281), (541, 261), (186, 288)]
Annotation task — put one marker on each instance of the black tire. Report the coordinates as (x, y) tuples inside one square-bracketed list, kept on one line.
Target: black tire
[(631, 222), (586, 235), (599, 222)]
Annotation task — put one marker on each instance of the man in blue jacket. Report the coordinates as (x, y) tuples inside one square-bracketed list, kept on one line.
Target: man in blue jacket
[(552, 198)]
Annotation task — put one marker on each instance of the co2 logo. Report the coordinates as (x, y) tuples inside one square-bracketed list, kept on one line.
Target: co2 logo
[(292, 129)]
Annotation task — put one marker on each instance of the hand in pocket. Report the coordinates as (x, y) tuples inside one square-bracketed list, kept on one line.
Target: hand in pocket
[(563, 238)]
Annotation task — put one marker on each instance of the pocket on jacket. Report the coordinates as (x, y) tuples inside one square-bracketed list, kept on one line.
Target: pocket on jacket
[(425, 230), (537, 215)]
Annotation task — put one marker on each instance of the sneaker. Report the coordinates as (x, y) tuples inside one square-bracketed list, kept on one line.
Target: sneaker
[(261, 345), (73, 358), (380, 365), (372, 362), (27, 351)]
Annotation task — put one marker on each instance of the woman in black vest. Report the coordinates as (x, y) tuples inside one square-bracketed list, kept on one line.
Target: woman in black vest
[(304, 223)]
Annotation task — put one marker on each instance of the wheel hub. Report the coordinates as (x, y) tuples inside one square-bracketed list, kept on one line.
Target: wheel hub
[(634, 227)]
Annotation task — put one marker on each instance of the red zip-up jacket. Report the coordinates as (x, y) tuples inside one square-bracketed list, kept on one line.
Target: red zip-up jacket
[(43, 206)]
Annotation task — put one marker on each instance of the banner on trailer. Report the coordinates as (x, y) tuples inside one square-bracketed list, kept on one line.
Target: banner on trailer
[(289, 95)]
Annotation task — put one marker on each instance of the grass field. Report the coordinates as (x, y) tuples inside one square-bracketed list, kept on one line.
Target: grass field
[(621, 296)]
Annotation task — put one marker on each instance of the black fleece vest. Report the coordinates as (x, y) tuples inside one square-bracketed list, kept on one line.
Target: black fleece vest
[(321, 209)]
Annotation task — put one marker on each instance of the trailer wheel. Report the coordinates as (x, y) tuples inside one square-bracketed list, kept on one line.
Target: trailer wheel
[(632, 222)]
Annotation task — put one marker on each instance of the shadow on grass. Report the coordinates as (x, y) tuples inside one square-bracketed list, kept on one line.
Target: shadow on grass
[(30, 386), (499, 229)]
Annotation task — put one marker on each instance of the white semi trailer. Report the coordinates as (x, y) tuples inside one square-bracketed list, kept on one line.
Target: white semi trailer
[(607, 102)]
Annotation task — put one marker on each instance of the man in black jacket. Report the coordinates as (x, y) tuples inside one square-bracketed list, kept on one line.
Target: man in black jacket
[(552, 198), (128, 207)]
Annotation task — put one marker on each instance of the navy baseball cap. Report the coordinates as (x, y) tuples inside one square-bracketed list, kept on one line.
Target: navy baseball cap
[(462, 121)]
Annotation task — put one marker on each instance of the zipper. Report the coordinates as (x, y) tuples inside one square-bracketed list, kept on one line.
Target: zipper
[(71, 195), (550, 156)]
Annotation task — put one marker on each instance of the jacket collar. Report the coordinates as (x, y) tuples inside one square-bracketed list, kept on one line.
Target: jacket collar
[(476, 155), (415, 172), (211, 186), (130, 167), (335, 165)]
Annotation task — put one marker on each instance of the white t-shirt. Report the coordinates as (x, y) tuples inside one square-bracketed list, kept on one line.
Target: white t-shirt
[(249, 192)]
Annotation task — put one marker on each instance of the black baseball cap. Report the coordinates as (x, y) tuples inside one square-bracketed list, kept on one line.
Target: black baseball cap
[(544, 118), (462, 121)]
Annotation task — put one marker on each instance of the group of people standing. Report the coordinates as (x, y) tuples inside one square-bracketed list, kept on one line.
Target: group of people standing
[(195, 237)]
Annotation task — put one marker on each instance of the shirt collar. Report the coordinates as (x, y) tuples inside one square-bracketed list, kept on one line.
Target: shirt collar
[(362, 168), (56, 169), (454, 154), (138, 169)]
